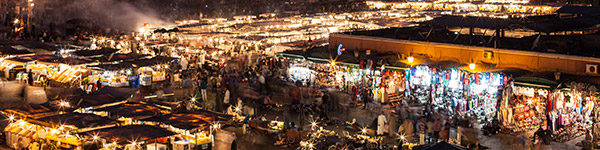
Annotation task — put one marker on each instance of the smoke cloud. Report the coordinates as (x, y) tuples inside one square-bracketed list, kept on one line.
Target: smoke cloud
[(115, 14)]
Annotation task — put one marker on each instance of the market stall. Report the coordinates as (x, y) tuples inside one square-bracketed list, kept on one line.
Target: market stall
[(134, 137), (570, 109), (194, 128), (523, 106), (130, 111), (55, 131), (420, 80)]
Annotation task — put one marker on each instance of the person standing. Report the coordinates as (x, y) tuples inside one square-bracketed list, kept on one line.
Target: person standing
[(30, 78), (381, 120), (422, 129), (203, 86), (364, 99), (437, 126), (226, 98), (184, 63), (429, 131)]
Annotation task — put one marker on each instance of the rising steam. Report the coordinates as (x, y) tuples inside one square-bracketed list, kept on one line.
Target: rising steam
[(116, 14)]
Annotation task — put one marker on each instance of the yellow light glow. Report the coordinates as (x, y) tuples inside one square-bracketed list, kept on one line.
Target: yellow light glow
[(11, 118), (410, 59), (472, 66)]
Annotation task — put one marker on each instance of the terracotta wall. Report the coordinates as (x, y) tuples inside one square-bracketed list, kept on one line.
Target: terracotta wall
[(430, 53)]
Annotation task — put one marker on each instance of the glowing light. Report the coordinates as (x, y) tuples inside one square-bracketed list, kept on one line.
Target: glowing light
[(16, 21), (193, 99), (313, 124), (364, 130), (529, 102), (472, 66), (32, 4), (11, 118), (237, 108), (64, 104), (53, 131), (95, 137), (402, 137), (410, 59), (141, 30), (333, 63), (310, 145)]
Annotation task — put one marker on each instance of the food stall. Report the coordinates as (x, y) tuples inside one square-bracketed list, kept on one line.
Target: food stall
[(193, 128), (148, 75), (134, 137), (113, 75), (129, 112), (62, 130)]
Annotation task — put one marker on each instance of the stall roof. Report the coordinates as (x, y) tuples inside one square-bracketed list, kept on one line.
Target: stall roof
[(128, 134), (117, 66), (91, 100), (131, 110), (190, 120), (78, 120), (68, 61), (32, 110), (25, 59), (120, 57), (118, 93), (103, 51), (440, 146), (6, 50), (152, 61), (30, 45)]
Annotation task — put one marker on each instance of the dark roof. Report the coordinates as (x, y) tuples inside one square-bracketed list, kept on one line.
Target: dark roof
[(91, 100), (128, 134), (440, 146), (32, 110), (478, 22), (104, 51), (118, 93), (152, 61), (25, 59), (118, 66), (7, 50), (564, 24), (30, 44), (69, 61), (190, 120), (132, 110), (584, 10), (119, 57), (78, 120)]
